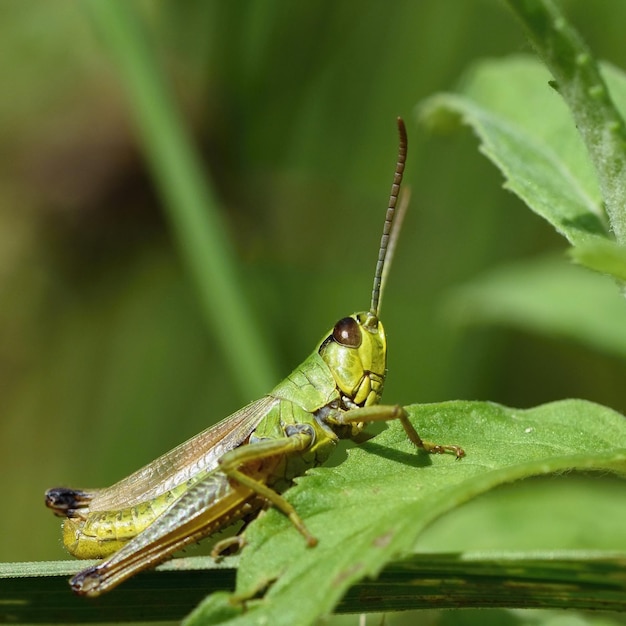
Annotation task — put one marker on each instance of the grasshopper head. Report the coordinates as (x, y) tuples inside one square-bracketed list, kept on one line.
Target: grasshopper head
[(356, 353), (356, 348)]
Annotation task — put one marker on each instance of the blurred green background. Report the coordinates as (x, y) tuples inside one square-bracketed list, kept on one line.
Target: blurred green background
[(105, 358)]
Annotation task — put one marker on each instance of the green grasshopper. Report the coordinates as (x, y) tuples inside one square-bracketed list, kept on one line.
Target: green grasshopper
[(234, 469)]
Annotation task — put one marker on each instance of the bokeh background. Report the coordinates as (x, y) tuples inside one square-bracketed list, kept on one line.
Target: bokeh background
[(106, 360)]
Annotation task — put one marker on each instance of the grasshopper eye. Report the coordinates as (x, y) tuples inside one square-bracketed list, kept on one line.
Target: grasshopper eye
[(347, 332)]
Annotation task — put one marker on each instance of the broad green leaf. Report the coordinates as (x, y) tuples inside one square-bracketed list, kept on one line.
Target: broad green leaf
[(526, 130), (546, 513), (372, 507), (549, 296)]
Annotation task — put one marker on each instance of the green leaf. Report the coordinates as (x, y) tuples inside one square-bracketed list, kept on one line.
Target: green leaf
[(372, 508), (549, 296), (578, 79), (560, 514), (603, 256), (527, 132)]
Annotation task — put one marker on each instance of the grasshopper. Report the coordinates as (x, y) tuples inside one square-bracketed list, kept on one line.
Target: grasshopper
[(234, 469)]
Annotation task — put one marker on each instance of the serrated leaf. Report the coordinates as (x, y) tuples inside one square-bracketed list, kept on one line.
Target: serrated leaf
[(372, 508), (584, 88), (527, 132)]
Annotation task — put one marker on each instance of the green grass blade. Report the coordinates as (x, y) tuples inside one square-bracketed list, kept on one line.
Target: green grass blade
[(189, 200), (38, 592)]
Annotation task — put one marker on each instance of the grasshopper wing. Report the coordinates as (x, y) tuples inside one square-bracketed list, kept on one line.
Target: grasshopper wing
[(198, 454), (200, 511)]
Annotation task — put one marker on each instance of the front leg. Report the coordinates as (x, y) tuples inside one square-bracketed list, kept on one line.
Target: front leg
[(386, 413)]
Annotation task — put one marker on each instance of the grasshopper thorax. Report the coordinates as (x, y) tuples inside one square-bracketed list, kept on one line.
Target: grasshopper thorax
[(355, 351)]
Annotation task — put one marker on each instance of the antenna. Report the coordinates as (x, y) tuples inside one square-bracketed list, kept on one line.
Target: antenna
[(391, 227)]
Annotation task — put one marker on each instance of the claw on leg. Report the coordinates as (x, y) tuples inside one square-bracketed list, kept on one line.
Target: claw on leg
[(435, 448)]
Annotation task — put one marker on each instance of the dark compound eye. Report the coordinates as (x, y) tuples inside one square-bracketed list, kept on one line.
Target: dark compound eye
[(347, 332)]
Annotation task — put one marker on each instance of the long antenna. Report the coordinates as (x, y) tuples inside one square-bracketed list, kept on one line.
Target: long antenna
[(391, 227)]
